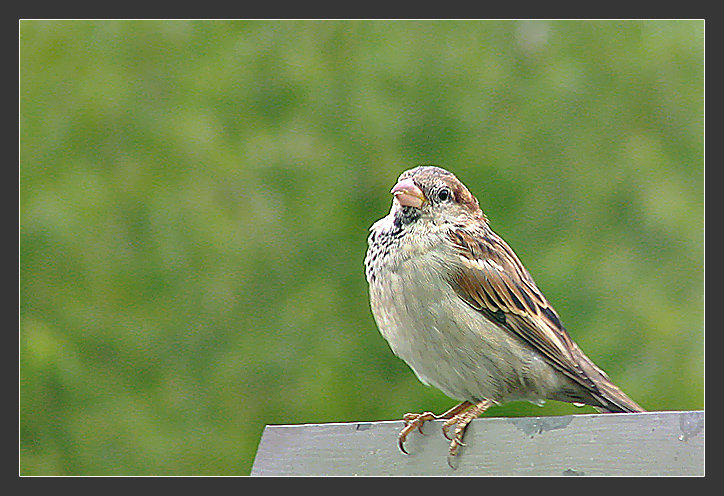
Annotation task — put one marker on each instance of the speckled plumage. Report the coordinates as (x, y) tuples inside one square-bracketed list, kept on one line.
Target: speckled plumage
[(455, 303)]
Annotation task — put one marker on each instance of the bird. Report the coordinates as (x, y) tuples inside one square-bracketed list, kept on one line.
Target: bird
[(455, 303)]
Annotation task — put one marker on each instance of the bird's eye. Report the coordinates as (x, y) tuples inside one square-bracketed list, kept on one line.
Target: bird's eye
[(444, 194)]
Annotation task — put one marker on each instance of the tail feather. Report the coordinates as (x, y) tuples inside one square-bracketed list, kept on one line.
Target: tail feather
[(613, 400), (607, 396)]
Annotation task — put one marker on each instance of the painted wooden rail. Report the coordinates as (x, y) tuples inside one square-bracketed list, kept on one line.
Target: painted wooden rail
[(651, 443)]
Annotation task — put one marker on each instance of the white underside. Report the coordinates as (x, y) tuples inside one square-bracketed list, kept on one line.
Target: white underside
[(447, 343)]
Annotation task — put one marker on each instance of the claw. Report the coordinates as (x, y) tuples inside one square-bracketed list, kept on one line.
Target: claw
[(401, 444), (445, 428), (457, 421), (452, 460), (412, 421), (461, 424), (455, 444)]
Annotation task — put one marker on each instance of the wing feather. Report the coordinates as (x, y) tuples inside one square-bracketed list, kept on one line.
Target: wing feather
[(491, 278)]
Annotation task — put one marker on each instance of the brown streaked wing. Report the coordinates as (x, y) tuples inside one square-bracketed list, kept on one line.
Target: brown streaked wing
[(492, 278)]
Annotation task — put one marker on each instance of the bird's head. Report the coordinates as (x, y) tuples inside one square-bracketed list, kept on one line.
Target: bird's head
[(432, 192)]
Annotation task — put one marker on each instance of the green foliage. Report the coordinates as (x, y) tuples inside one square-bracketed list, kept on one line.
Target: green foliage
[(195, 199)]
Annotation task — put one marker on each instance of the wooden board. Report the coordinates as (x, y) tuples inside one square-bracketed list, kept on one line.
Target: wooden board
[(651, 443)]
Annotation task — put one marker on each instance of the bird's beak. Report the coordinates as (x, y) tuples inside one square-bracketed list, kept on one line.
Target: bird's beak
[(408, 194)]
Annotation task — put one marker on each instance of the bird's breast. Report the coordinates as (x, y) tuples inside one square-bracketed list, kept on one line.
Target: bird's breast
[(447, 343)]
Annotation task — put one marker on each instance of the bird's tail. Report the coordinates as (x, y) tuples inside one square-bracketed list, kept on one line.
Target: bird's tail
[(607, 397), (613, 400)]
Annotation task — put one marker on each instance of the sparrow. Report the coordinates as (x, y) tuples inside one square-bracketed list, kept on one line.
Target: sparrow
[(454, 302)]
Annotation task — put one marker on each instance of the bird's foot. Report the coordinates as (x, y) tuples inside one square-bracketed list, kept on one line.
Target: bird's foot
[(461, 421), (413, 421), (416, 420)]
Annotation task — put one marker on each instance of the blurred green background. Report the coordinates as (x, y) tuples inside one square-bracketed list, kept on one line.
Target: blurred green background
[(195, 198)]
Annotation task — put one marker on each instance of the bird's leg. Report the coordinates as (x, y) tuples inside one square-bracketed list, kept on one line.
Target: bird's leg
[(461, 421), (415, 420)]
